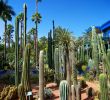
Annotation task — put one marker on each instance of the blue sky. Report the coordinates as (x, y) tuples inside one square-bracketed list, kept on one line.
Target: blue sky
[(76, 15)]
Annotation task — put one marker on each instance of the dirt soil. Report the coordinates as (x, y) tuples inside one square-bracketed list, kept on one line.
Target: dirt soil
[(56, 93)]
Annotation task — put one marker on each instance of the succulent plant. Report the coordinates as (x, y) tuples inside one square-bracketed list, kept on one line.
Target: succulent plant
[(103, 87), (64, 90), (41, 75)]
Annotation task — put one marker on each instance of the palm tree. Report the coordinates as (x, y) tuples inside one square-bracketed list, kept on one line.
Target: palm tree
[(63, 36), (9, 31), (32, 32), (37, 19), (21, 18), (6, 13)]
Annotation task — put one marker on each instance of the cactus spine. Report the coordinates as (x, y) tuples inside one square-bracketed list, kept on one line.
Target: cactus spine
[(64, 90), (50, 49), (21, 92), (25, 20), (16, 50), (41, 76), (103, 87)]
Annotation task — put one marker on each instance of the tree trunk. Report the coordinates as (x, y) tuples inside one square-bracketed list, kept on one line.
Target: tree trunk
[(9, 42), (5, 42), (68, 70)]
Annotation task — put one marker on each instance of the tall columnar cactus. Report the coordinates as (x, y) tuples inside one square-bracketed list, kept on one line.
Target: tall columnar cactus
[(103, 87), (106, 62), (16, 51), (78, 92), (53, 44), (21, 92), (50, 49), (95, 50), (64, 90), (73, 92), (25, 81), (41, 76), (25, 24), (56, 64)]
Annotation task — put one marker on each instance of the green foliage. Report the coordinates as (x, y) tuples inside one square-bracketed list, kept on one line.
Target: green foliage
[(49, 74), (64, 90), (8, 79), (47, 93)]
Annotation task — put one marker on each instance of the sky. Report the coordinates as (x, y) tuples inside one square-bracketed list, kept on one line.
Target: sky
[(75, 15)]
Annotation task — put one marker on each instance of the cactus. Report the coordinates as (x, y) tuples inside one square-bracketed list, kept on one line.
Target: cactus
[(16, 51), (25, 24), (21, 92), (64, 90), (25, 71), (50, 49), (56, 64), (73, 92), (95, 50), (103, 87), (78, 92), (90, 92), (41, 76), (53, 44)]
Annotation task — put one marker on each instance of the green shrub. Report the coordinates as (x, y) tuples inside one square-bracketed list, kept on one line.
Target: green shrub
[(47, 93)]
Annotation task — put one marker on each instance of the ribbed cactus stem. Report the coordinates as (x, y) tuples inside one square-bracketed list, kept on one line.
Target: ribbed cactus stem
[(73, 92), (95, 50), (21, 92), (50, 49), (64, 90), (78, 92), (56, 64), (25, 81), (16, 51), (41, 76), (103, 87), (25, 24)]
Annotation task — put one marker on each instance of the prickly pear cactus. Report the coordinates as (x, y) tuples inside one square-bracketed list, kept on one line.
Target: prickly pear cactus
[(64, 90), (103, 87)]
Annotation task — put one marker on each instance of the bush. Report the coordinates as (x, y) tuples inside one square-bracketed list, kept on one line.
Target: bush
[(34, 79), (48, 93), (49, 74)]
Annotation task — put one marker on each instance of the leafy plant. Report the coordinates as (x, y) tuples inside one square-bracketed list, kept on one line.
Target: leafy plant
[(47, 93)]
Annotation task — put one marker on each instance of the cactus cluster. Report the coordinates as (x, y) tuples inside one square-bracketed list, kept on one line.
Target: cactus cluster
[(103, 87), (9, 93)]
